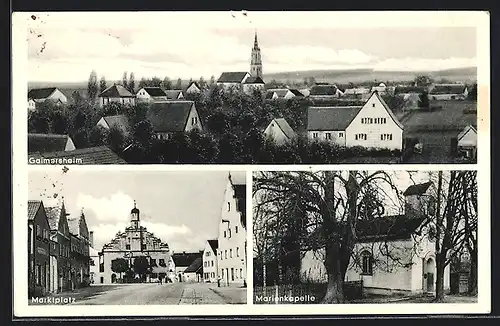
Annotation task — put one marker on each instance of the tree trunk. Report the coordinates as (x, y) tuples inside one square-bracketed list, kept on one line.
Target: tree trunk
[(473, 274), (334, 291), (440, 265)]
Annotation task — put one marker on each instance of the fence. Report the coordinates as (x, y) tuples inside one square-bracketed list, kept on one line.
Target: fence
[(306, 293)]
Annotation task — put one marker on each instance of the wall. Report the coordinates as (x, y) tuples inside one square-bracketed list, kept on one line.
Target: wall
[(373, 108), (274, 131), (31, 105), (338, 137), (231, 251), (446, 97), (469, 139), (58, 96), (123, 100), (209, 264), (192, 278), (41, 250)]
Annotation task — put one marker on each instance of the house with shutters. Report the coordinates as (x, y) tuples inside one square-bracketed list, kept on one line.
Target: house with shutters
[(232, 80), (393, 253), (232, 241), (39, 277), (280, 131), (116, 94), (372, 125), (39, 95), (447, 92), (151, 94), (210, 273), (171, 117)]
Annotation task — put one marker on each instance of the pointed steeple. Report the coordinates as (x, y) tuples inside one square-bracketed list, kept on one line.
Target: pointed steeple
[(255, 42)]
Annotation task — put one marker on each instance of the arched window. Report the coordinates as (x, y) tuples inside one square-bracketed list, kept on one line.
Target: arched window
[(366, 263)]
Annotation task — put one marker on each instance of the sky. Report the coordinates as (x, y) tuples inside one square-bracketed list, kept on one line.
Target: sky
[(193, 44), (181, 208)]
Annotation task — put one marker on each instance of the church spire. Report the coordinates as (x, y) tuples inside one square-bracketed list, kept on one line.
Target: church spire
[(255, 42), (256, 59)]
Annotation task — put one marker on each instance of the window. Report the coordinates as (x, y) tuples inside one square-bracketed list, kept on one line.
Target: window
[(232, 274), (367, 263), (315, 135), (236, 229), (212, 263), (224, 234), (127, 247), (384, 120), (162, 262), (144, 247), (229, 235), (152, 262), (341, 134), (228, 206), (237, 251), (373, 105), (204, 264), (213, 274), (230, 253), (207, 253), (225, 254), (38, 231), (386, 137), (241, 273), (328, 136), (360, 137)]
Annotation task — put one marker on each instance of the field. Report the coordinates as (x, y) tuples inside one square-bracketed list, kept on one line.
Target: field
[(436, 129)]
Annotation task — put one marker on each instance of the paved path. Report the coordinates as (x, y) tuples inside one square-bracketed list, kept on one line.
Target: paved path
[(165, 294)]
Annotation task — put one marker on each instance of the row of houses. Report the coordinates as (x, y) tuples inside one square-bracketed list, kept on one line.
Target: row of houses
[(58, 249)]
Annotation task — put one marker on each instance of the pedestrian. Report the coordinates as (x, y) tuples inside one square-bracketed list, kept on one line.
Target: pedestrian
[(218, 282)]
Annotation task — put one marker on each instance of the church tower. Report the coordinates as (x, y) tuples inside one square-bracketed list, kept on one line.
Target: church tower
[(256, 61), (134, 217)]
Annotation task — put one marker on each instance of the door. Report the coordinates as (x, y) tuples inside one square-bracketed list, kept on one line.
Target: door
[(430, 282), (113, 278)]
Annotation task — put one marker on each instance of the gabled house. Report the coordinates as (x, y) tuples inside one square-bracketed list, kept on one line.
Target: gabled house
[(49, 143), (119, 122), (228, 80), (180, 262), (325, 91), (39, 277), (360, 93), (448, 92), (280, 131), (151, 94), (253, 83), (116, 94), (80, 253), (194, 272), (174, 94), (210, 261), (372, 125), (38, 95), (280, 94), (173, 117), (467, 142), (193, 88), (232, 233), (82, 156), (393, 253), (59, 230)]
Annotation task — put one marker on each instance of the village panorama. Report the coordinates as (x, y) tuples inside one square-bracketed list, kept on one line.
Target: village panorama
[(365, 237), (249, 117), (161, 252)]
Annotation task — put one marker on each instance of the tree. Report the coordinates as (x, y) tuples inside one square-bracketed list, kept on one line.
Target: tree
[(125, 80), (92, 87), (76, 97), (472, 95), (202, 82), (212, 80), (119, 265), (167, 83), (423, 100), (179, 84), (102, 84), (131, 83), (329, 204), (142, 267), (423, 80)]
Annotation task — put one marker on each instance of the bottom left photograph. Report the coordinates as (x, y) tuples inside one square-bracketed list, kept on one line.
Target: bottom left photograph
[(123, 237)]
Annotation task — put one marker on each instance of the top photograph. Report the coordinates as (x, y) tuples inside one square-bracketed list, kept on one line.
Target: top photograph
[(251, 88)]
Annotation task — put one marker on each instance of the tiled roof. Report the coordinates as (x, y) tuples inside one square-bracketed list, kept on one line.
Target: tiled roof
[(214, 244), (46, 142), (281, 92), (33, 207), (173, 93), (323, 90), (417, 189), (296, 92), (465, 131), (117, 121), (448, 89), (409, 89), (331, 118), (116, 91), (155, 91), (269, 95), (285, 127), (170, 116), (41, 93), (185, 259), (388, 227), (195, 84), (53, 215), (91, 155), (231, 77), (254, 80), (388, 109), (196, 266)]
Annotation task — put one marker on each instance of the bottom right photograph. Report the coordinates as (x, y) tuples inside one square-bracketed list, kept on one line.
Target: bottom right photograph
[(334, 237)]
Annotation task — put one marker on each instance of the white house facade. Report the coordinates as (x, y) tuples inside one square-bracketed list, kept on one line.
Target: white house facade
[(173, 117), (467, 142), (232, 234), (149, 94), (372, 125), (280, 131), (116, 94), (447, 92), (210, 269), (232, 80), (39, 95)]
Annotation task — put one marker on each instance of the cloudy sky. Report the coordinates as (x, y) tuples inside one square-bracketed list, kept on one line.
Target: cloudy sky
[(65, 47), (181, 208)]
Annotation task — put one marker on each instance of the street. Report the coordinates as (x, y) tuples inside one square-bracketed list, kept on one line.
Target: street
[(156, 294)]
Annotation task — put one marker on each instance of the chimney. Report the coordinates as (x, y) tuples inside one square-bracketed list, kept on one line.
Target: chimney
[(91, 238)]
